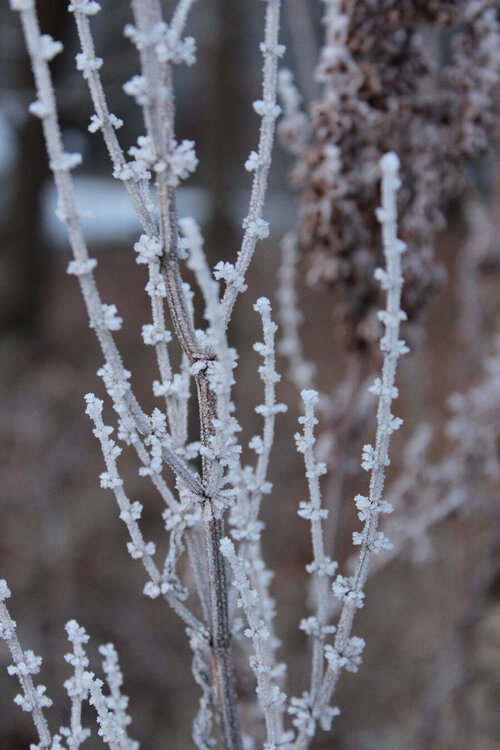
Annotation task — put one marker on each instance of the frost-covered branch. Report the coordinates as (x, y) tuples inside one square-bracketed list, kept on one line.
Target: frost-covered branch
[(271, 698), (130, 513), (179, 18), (135, 178), (347, 649), (252, 484), (203, 722), (158, 150), (89, 64), (26, 664), (256, 228), (84, 686), (269, 409), (322, 567), (42, 49), (77, 686)]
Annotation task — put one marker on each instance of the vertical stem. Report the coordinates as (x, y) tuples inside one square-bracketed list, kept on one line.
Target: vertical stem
[(159, 118), (220, 630)]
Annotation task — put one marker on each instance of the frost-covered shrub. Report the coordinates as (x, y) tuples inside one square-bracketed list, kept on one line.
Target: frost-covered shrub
[(212, 492)]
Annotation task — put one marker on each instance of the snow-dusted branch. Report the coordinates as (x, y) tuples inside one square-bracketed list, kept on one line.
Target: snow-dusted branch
[(346, 651), (270, 696), (89, 64), (158, 150), (42, 49), (269, 409), (322, 567), (26, 664), (256, 228), (222, 490), (129, 514)]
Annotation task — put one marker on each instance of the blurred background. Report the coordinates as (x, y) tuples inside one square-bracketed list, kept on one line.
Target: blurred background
[(431, 671)]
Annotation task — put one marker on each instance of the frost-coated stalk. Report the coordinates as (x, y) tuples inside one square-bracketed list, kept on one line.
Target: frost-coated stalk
[(259, 162), (304, 709), (269, 409), (103, 120), (179, 18), (220, 630), (244, 517), (130, 513), (159, 148), (42, 49), (26, 664), (149, 247), (77, 686), (83, 686), (214, 379), (322, 566), (346, 651), (271, 698)]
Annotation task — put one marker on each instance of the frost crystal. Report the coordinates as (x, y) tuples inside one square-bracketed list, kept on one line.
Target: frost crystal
[(252, 162), (267, 109), (182, 161), (136, 87), (228, 273), (81, 267), (88, 64), (343, 589), (49, 48), (148, 249), (88, 7), (368, 457), (172, 49), (65, 161), (39, 109), (110, 318), (257, 227), (349, 659)]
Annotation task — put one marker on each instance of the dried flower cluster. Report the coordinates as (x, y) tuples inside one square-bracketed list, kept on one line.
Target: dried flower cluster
[(383, 86)]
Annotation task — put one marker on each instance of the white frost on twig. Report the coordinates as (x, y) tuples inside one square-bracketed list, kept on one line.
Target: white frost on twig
[(25, 666), (346, 650)]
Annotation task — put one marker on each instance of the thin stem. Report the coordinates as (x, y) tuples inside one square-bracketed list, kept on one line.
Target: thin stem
[(159, 113), (220, 630), (345, 654), (33, 698), (269, 110), (82, 266), (159, 118), (105, 121)]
